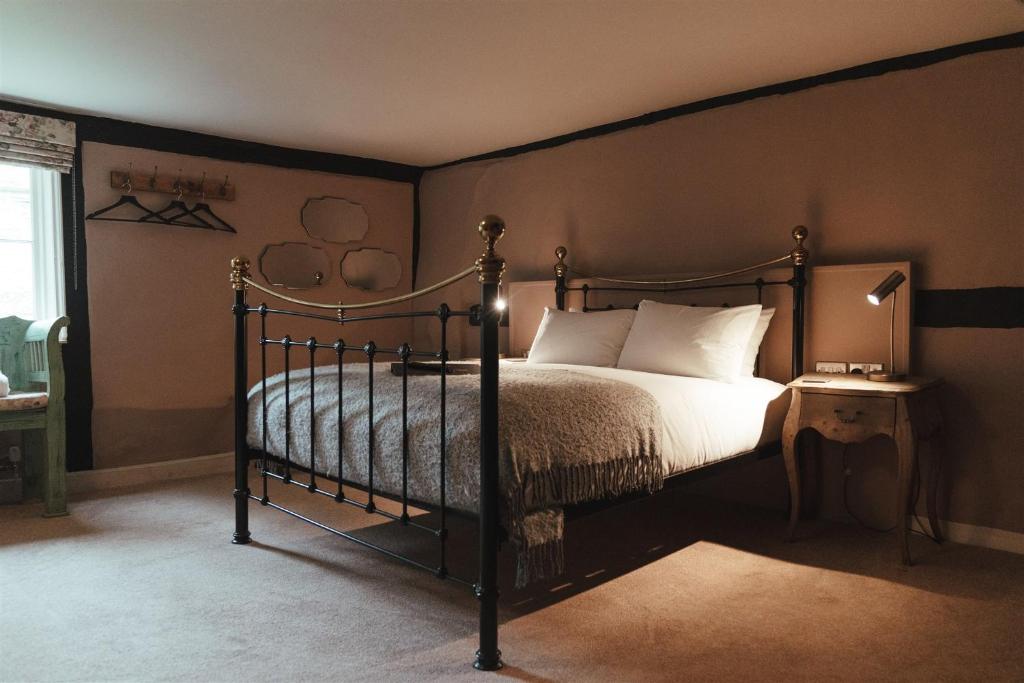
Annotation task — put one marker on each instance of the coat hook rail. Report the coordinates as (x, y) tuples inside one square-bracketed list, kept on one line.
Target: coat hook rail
[(170, 183)]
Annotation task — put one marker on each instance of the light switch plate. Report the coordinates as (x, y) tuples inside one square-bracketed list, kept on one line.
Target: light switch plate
[(830, 367), (865, 368)]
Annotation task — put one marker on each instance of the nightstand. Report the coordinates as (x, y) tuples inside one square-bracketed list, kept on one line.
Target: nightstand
[(852, 409)]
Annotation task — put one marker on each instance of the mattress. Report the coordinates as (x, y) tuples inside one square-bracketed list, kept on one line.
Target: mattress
[(704, 420)]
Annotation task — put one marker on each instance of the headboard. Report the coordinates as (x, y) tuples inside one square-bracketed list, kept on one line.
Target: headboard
[(839, 324), (756, 283)]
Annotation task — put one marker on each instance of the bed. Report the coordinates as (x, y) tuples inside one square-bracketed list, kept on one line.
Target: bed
[(514, 444), (699, 422)]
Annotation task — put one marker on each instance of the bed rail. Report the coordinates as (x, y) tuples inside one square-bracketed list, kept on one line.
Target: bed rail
[(341, 307), (489, 268), (797, 256)]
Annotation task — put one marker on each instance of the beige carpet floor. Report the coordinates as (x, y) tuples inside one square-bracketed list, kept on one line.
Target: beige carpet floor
[(143, 585)]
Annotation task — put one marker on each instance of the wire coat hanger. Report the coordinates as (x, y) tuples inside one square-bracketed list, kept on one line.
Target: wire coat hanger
[(177, 205), (204, 208)]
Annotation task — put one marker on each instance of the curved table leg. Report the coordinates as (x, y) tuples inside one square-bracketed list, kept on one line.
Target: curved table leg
[(789, 434)]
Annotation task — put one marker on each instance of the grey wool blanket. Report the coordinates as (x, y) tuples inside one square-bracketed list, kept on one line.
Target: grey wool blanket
[(565, 438)]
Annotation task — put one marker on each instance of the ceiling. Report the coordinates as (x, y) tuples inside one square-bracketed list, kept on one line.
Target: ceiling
[(428, 81)]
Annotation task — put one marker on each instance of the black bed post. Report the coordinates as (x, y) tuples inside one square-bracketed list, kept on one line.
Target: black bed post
[(489, 268), (560, 270), (239, 270), (799, 257)]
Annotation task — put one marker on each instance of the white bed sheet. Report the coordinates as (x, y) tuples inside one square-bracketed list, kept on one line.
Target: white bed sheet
[(704, 420)]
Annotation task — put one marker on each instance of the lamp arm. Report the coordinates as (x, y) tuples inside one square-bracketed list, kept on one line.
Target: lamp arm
[(892, 333)]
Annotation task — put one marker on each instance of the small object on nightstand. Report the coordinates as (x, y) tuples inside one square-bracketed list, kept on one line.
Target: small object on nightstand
[(852, 409)]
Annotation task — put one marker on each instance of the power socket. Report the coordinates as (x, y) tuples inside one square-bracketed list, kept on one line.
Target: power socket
[(865, 368), (830, 367)]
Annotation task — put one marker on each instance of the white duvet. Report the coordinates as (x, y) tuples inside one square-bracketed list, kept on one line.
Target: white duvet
[(704, 420)]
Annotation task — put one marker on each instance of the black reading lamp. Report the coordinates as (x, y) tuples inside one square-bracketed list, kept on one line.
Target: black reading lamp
[(877, 295)]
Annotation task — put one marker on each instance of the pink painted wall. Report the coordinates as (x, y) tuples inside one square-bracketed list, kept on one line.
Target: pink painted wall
[(159, 298), (922, 165)]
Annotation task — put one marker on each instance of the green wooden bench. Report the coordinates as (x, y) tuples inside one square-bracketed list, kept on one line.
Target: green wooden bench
[(30, 356)]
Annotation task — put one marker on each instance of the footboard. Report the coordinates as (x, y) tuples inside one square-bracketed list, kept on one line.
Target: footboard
[(489, 268)]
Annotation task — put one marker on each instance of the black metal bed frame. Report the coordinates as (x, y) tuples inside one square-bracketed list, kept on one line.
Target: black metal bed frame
[(489, 269)]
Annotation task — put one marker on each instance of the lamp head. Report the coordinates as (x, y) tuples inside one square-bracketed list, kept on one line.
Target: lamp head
[(886, 287)]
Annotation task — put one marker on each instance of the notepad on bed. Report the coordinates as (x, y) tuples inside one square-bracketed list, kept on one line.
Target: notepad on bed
[(434, 368)]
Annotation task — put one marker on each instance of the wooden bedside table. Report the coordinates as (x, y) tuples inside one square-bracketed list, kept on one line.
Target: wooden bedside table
[(852, 409)]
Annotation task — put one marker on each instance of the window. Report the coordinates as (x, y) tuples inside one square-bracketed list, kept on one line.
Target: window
[(31, 254)]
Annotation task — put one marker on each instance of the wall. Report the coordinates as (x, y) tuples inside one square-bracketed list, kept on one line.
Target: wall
[(159, 299), (922, 165)]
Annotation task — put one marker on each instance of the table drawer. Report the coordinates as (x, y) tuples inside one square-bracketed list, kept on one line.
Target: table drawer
[(848, 418)]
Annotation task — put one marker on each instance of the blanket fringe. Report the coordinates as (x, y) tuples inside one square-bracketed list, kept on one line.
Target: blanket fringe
[(593, 481), (540, 562), (584, 482), (539, 558)]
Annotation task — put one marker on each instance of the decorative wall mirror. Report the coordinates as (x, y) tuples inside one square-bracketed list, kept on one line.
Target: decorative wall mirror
[(295, 265), (371, 269), (334, 219)]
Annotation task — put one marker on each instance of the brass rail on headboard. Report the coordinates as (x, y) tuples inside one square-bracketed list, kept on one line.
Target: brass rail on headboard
[(798, 256)]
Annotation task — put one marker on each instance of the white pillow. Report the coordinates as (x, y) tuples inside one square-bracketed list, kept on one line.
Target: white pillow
[(581, 338), (689, 340), (756, 337)]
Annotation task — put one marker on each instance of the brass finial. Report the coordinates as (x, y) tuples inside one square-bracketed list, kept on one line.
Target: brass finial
[(490, 266), (239, 270), (560, 267), (799, 254)]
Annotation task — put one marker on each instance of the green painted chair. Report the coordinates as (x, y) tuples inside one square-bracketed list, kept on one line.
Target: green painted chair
[(30, 356)]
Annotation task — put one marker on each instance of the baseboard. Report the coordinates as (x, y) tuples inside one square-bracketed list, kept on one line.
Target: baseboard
[(90, 481), (986, 537), (957, 532)]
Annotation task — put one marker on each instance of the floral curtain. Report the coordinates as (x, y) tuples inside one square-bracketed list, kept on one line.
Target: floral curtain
[(36, 141)]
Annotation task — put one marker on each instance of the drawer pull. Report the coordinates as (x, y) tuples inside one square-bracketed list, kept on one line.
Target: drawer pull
[(847, 420)]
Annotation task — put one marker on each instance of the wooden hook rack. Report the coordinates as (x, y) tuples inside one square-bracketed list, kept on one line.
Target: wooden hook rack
[(172, 183)]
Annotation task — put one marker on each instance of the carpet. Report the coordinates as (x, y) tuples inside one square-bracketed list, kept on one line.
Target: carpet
[(143, 584)]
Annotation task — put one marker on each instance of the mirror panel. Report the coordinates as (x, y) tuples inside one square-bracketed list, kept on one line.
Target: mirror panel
[(295, 265), (334, 219), (371, 269)]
